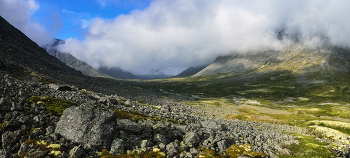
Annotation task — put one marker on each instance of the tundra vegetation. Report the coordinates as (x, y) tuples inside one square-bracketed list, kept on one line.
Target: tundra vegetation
[(311, 105)]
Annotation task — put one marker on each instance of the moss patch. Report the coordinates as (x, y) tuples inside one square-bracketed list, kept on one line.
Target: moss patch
[(54, 105)]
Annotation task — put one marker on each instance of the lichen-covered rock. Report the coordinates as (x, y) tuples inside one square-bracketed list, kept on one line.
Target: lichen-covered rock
[(125, 124), (191, 138), (8, 139), (211, 125), (22, 149), (5, 153), (117, 146), (159, 138), (76, 152), (89, 124)]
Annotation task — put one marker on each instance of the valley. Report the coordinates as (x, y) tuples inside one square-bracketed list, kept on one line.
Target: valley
[(288, 103)]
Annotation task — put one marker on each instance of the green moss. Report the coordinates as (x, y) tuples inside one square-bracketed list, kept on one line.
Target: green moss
[(141, 101), (54, 105)]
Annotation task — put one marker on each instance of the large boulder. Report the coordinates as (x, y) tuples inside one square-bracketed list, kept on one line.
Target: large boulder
[(90, 124)]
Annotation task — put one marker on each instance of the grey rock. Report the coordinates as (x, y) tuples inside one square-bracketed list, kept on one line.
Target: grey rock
[(88, 124), (194, 151), (35, 153), (245, 156), (162, 146), (49, 130), (211, 125), (159, 138), (192, 138), (145, 143), (282, 151), (76, 152), (8, 139), (95, 96), (182, 128), (60, 87), (117, 146), (125, 124), (176, 133), (16, 107), (171, 149), (113, 101), (5, 153), (22, 149), (24, 119), (13, 123), (165, 109), (3, 104), (128, 102), (222, 145)]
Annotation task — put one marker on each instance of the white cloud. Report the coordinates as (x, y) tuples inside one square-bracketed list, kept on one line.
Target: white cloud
[(170, 35), (18, 13)]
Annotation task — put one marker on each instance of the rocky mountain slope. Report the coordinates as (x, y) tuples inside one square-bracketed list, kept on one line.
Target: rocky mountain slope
[(297, 59), (117, 72), (191, 71), (48, 109), (70, 60)]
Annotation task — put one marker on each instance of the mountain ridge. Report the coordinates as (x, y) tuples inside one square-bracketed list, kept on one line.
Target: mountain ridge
[(70, 60)]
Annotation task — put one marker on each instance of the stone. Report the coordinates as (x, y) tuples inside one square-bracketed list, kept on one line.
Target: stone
[(8, 139), (211, 125), (222, 145), (35, 153), (16, 107), (192, 138), (125, 124), (22, 149), (145, 144), (76, 152), (165, 109), (49, 130), (5, 153), (91, 125), (159, 138), (128, 102), (171, 149), (60, 87), (245, 156), (117, 146)]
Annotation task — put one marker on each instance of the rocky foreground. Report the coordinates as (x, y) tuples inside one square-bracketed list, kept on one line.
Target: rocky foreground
[(94, 122)]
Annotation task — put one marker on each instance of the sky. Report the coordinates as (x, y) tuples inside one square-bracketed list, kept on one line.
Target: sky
[(172, 35)]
